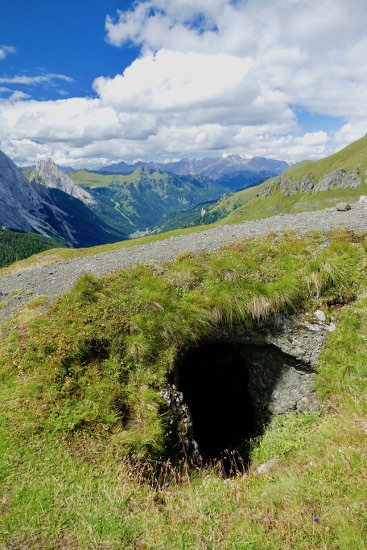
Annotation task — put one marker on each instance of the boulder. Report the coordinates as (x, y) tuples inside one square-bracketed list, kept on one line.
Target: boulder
[(343, 207)]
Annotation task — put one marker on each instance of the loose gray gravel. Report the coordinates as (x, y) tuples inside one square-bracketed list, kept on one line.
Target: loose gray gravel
[(55, 278)]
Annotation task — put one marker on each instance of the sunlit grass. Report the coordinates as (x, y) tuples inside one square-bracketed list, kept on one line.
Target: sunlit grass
[(79, 425)]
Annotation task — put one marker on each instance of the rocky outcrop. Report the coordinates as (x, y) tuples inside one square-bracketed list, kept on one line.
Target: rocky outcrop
[(343, 207), (339, 179), (332, 180), (336, 179), (282, 355), (50, 175), (290, 188), (180, 440)]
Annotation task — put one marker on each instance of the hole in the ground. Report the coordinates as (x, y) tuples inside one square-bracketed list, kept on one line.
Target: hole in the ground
[(214, 383), (231, 391)]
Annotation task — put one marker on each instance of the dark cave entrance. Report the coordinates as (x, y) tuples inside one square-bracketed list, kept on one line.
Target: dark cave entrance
[(225, 393), (214, 380)]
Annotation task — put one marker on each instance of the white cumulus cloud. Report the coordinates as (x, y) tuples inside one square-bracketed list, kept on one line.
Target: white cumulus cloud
[(212, 75)]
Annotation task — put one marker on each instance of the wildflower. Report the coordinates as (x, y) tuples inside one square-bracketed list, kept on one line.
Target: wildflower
[(316, 518)]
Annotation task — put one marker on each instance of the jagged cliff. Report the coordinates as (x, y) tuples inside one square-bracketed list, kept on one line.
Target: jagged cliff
[(50, 175)]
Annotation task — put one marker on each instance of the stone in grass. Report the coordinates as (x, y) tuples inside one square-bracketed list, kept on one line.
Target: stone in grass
[(343, 206), (363, 200), (266, 467), (320, 316)]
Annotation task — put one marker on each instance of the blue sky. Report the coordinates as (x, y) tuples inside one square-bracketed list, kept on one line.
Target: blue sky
[(64, 37), (90, 82)]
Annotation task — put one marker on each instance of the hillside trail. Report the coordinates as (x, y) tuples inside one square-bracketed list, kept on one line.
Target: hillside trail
[(53, 279)]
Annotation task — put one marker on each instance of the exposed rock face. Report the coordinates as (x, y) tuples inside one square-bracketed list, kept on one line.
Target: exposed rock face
[(50, 175), (337, 179), (282, 355), (290, 188), (21, 207), (179, 433), (49, 210), (332, 180), (295, 335)]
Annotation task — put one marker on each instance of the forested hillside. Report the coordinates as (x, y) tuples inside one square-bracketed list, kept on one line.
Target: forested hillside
[(16, 246)]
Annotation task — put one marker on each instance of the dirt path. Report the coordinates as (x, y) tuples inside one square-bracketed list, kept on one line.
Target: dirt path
[(53, 279)]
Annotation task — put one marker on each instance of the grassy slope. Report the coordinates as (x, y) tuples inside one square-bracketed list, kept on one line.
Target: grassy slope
[(68, 378), (250, 204)]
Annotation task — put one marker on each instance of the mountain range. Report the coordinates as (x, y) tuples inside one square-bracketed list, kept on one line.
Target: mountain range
[(233, 172), (86, 208), (46, 206)]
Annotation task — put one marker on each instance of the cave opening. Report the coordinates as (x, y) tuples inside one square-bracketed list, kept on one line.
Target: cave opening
[(214, 381), (231, 390)]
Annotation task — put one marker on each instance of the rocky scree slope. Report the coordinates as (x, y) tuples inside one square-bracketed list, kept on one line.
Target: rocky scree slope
[(57, 277)]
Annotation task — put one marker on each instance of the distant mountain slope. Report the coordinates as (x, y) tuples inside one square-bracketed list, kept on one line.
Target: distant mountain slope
[(303, 187), (21, 207), (144, 199), (34, 207), (233, 172)]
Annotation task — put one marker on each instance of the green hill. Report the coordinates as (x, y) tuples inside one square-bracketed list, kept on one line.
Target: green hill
[(84, 430), (303, 187)]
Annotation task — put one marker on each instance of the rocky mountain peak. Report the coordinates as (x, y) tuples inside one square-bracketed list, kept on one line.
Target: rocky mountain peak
[(20, 204), (235, 158), (47, 173)]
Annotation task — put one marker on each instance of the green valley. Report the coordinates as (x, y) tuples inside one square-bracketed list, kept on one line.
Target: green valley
[(143, 200)]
